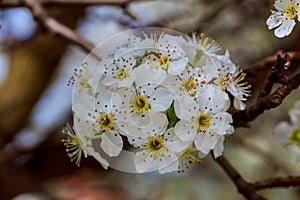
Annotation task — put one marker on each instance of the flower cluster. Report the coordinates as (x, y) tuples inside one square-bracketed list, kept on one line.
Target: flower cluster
[(284, 19), (161, 97), (288, 134)]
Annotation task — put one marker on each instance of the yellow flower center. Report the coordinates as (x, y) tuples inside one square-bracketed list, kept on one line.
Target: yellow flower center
[(122, 74), (189, 86), (224, 81), (106, 121), (163, 61), (140, 104), (202, 121), (291, 11), (295, 137), (155, 145)]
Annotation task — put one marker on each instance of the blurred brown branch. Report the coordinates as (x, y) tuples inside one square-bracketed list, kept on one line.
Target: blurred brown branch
[(267, 100), (248, 190), (245, 188), (264, 65), (277, 182), (55, 27)]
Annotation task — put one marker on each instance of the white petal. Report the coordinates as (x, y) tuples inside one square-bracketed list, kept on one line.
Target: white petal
[(127, 82), (201, 154), (109, 101), (285, 28), (238, 104), (185, 107), (111, 143), (83, 105), (109, 81), (281, 132), (274, 20), (212, 99), (87, 145), (154, 123), (280, 5), (219, 148), (177, 66), (185, 130), (294, 113), (169, 163), (161, 99), (145, 75), (205, 143), (173, 142), (143, 162), (220, 123)]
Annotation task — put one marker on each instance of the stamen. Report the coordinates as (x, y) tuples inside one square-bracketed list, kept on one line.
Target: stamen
[(73, 144)]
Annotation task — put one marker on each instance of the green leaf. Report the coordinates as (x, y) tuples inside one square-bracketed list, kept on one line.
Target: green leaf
[(172, 116)]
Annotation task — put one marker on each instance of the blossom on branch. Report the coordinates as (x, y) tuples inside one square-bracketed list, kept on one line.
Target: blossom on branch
[(288, 133), (158, 101), (284, 19)]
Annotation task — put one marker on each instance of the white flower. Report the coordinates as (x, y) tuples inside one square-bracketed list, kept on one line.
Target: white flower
[(187, 82), (120, 71), (199, 48), (85, 79), (186, 106), (231, 79), (288, 135), (76, 145), (284, 18), (146, 97), (99, 116), (203, 123), (165, 96), (157, 151), (165, 53)]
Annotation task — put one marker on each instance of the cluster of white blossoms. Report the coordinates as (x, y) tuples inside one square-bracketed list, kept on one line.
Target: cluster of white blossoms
[(284, 19), (164, 98), (288, 133)]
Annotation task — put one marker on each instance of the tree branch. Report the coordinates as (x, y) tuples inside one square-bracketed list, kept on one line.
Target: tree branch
[(245, 188), (289, 181), (265, 100), (55, 27), (268, 62)]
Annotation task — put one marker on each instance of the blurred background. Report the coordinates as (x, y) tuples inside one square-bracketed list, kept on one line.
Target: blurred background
[(35, 101)]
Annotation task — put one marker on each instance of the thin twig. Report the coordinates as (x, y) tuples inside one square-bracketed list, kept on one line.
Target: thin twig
[(245, 188), (274, 75), (55, 27), (289, 181), (268, 62)]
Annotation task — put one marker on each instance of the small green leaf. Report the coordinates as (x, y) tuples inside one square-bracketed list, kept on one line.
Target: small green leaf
[(172, 116)]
